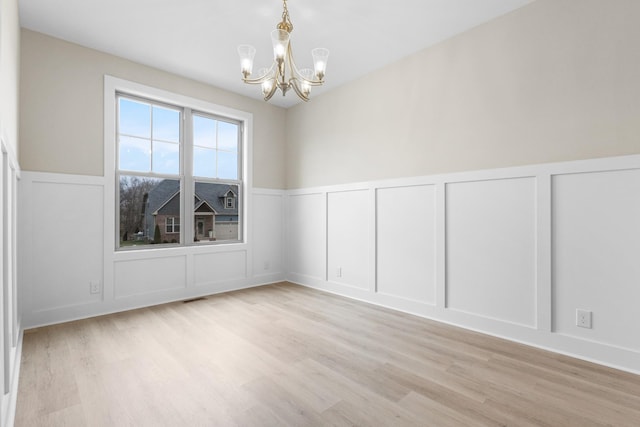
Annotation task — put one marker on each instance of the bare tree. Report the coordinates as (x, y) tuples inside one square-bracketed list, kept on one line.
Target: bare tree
[(133, 196)]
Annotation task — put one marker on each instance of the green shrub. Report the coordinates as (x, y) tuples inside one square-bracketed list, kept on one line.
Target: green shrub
[(156, 234)]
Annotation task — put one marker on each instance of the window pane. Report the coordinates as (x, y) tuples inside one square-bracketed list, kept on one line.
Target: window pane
[(135, 118), (166, 158), (204, 162), (163, 206), (227, 136), (135, 154), (212, 219), (227, 165), (204, 132), (166, 124), (172, 226), (145, 205)]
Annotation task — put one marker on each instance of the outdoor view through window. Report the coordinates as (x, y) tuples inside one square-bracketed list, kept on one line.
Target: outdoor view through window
[(172, 162)]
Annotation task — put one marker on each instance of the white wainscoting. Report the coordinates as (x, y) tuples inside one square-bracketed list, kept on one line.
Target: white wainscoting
[(409, 273), (65, 223), (268, 232), (596, 255), (62, 231), (510, 252), (306, 246), (348, 238), (219, 268), (10, 318), (491, 248), (149, 275)]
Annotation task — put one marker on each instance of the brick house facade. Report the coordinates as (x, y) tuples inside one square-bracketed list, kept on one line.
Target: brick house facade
[(215, 211)]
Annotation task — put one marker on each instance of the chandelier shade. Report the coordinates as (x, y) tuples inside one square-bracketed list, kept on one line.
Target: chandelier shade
[(283, 73), (247, 53)]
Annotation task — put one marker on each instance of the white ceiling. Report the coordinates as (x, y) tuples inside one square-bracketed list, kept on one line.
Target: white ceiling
[(198, 38)]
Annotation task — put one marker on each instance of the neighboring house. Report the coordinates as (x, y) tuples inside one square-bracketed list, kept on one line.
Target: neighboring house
[(215, 211)]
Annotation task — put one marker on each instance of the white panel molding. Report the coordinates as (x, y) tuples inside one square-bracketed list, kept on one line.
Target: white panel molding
[(537, 329), (595, 247), (325, 230), (10, 318), (222, 267), (373, 246), (10, 399), (406, 242), (490, 248), (239, 274), (306, 234), (269, 229), (441, 245), (349, 243), (135, 277), (544, 309), (542, 335), (69, 229)]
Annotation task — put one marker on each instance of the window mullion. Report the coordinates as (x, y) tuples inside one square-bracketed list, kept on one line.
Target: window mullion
[(117, 217), (151, 138), (187, 227)]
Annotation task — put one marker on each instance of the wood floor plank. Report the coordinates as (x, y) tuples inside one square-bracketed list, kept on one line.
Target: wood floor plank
[(285, 355)]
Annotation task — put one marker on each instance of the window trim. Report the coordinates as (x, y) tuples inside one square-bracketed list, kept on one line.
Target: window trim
[(114, 85)]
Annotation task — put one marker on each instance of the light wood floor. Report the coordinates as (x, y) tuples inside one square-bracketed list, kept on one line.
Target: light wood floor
[(284, 355)]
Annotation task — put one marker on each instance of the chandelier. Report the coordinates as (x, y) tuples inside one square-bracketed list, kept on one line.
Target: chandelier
[(283, 73)]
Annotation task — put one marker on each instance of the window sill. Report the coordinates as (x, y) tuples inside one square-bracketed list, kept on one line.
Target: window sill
[(163, 251)]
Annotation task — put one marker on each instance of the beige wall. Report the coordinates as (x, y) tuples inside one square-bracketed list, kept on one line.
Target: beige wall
[(9, 71), (61, 111), (556, 80)]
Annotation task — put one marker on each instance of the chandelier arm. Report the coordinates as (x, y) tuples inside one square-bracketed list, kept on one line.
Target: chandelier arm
[(257, 81), (262, 79), (293, 82), (274, 87), (292, 63), (296, 73)]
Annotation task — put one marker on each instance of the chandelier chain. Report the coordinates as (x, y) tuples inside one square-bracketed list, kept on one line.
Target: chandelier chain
[(286, 20)]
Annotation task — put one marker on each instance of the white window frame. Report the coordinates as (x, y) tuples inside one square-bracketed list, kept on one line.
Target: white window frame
[(112, 87)]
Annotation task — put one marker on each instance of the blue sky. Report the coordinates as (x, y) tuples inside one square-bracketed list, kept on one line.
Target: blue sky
[(149, 137)]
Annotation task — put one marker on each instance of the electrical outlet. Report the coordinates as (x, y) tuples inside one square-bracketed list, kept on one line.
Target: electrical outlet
[(583, 318), (94, 287), (266, 265), (339, 272)]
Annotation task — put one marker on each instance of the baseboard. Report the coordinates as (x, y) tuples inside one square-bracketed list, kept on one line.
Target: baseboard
[(9, 405), (85, 311), (590, 351)]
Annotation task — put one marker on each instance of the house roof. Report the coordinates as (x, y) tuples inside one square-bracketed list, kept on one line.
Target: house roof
[(212, 194)]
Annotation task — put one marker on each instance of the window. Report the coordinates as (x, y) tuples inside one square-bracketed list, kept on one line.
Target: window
[(230, 202), (176, 165), (173, 225)]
